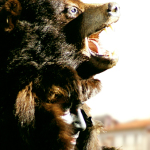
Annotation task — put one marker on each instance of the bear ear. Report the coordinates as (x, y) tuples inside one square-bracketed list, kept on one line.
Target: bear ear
[(9, 15), (25, 105)]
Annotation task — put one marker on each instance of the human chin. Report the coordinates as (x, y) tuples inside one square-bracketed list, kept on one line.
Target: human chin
[(74, 138)]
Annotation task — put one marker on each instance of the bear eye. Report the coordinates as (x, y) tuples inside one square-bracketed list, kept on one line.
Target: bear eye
[(74, 10)]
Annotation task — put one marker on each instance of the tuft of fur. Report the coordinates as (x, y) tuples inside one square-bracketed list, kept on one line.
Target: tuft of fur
[(54, 133), (25, 105)]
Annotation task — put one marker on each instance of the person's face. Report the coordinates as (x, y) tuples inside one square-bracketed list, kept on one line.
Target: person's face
[(75, 117)]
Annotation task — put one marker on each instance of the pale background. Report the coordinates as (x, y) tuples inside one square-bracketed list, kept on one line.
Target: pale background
[(126, 88)]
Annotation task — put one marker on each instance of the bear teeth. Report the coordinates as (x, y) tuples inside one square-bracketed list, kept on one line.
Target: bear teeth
[(109, 27)]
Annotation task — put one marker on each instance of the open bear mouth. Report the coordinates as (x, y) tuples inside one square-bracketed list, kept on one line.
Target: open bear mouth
[(95, 46)]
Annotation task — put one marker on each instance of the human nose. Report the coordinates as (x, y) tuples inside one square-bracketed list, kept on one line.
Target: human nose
[(78, 121)]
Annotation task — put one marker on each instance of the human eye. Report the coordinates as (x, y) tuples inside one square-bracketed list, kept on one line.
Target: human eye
[(66, 112), (67, 116)]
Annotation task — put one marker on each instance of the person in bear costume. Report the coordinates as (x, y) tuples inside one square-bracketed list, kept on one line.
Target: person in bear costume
[(49, 53)]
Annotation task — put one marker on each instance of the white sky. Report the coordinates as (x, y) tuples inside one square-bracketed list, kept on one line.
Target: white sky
[(126, 88)]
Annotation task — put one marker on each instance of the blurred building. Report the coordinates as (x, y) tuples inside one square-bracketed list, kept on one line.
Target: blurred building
[(134, 135)]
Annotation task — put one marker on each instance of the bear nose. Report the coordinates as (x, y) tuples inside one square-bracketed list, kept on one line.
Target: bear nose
[(113, 9)]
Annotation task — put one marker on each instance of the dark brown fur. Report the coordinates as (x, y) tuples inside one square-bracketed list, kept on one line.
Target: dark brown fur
[(45, 67)]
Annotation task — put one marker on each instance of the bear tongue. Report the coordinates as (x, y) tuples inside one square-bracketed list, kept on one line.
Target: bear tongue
[(103, 42), (95, 46)]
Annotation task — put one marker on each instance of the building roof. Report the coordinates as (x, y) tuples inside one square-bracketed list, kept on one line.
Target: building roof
[(136, 124)]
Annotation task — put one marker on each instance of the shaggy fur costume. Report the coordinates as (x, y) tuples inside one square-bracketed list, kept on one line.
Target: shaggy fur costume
[(45, 67)]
